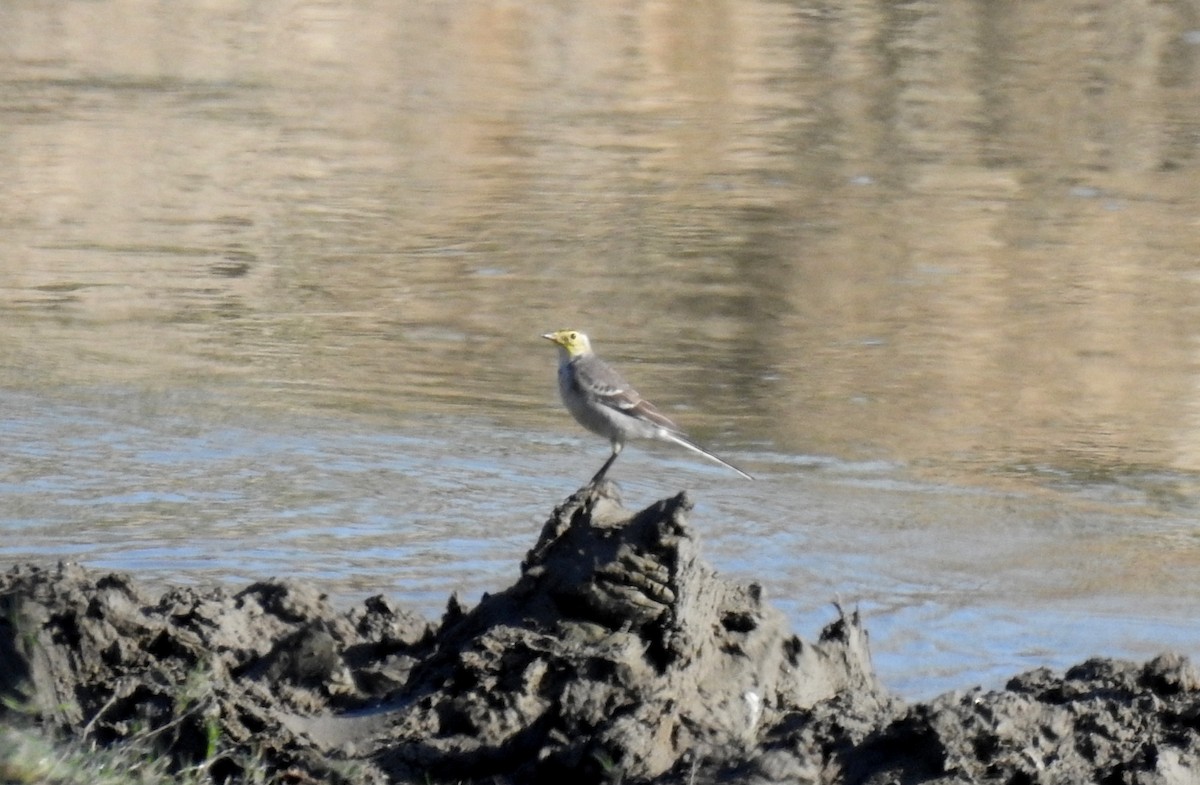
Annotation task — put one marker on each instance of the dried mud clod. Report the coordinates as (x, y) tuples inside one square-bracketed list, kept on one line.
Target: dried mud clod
[(192, 674), (618, 650)]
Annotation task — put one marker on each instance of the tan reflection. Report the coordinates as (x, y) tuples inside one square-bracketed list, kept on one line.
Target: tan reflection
[(1030, 291)]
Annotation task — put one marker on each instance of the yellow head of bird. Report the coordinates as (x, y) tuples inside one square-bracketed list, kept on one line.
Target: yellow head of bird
[(573, 342)]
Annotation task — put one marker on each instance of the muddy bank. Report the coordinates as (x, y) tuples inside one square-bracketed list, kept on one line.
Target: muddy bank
[(618, 655)]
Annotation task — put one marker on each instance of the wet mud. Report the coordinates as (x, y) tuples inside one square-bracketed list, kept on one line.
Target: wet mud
[(619, 655)]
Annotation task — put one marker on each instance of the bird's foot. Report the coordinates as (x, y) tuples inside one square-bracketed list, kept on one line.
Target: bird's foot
[(602, 487)]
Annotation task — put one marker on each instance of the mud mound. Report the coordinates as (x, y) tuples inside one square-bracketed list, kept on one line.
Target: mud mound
[(618, 655), (192, 671), (618, 650), (1104, 721)]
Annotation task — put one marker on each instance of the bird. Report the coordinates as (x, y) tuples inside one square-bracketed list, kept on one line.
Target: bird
[(602, 401)]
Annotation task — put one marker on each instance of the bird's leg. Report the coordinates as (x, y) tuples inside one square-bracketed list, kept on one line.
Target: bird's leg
[(616, 450)]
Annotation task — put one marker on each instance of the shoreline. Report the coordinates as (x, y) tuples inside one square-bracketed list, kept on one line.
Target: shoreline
[(617, 655)]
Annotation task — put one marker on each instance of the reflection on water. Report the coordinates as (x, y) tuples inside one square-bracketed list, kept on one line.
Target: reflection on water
[(279, 288)]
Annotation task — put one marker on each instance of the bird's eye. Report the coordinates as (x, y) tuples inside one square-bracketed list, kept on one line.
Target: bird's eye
[(573, 337)]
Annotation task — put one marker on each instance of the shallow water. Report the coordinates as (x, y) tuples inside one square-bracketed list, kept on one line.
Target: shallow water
[(270, 301), (960, 584)]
